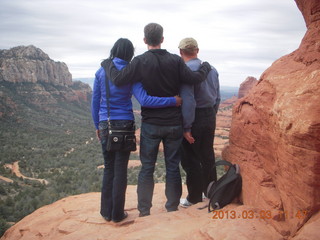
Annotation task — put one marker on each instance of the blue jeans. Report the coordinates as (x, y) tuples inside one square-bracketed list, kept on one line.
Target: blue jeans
[(114, 183), (151, 136)]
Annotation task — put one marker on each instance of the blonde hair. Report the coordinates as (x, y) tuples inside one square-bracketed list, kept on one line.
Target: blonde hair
[(190, 51)]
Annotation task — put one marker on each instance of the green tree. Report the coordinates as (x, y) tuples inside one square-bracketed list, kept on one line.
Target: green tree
[(3, 226), (2, 190)]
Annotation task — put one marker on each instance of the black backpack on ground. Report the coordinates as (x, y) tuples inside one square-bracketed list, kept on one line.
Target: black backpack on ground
[(226, 189)]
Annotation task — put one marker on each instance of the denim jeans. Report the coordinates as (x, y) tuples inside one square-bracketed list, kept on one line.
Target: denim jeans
[(198, 158), (151, 136), (114, 183)]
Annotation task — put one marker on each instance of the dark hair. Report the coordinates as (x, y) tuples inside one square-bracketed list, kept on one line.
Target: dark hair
[(123, 49), (153, 33)]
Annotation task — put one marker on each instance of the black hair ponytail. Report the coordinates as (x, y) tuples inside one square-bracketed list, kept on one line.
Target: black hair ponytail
[(123, 49)]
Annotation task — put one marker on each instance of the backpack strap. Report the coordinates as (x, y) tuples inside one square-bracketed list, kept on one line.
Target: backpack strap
[(226, 163), (227, 181), (230, 179), (223, 162), (103, 64)]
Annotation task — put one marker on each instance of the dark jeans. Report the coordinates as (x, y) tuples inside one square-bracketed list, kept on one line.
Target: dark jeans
[(151, 136), (114, 183), (198, 158)]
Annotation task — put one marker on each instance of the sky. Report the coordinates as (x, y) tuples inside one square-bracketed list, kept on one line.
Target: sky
[(240, 38)]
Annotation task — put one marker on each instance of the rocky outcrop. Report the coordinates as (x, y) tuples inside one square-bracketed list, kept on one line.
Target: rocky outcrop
[(223, 123), (31, 64), (246, 86), (29, 77), (275, 135), (77, 217), (80, 92)]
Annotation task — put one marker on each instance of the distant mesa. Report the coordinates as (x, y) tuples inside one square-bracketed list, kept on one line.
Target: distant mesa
[(29, 76), (25, 52), (31, 64)]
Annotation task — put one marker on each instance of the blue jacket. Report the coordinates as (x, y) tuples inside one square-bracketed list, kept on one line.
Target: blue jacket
[(202, 95), (120, 98)]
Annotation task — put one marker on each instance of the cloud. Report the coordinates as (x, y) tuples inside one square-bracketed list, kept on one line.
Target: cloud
[(240, 38)]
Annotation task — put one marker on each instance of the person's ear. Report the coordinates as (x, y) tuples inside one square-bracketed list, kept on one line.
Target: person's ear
[(145, 40), (162, 40)]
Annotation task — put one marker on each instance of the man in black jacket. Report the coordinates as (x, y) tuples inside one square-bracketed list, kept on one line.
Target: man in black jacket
[(161, 74)]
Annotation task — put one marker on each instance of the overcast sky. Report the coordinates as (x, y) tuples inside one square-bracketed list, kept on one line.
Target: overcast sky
[(239, 37)]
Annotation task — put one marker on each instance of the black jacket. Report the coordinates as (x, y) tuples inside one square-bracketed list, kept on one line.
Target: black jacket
[(161, 74)]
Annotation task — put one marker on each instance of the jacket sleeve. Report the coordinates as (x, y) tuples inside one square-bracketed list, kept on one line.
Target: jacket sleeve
[(190, 77), (188, 106), (126, 75), (218, 100), (146, 100), (215, 75), (95, 103)]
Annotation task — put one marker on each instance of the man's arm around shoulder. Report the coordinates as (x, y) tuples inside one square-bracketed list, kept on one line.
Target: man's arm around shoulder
[(126, 75), (190, 77)]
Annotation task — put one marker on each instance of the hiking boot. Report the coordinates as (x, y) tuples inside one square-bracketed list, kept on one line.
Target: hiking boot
[(185, 203)]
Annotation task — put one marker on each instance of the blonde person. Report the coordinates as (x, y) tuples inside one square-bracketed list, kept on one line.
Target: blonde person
[(199, 109)]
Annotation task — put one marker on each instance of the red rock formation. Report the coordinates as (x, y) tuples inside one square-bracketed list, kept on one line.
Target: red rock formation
[(77, 217), (29, 73), (275, 133), (224, 114), (246, 86)]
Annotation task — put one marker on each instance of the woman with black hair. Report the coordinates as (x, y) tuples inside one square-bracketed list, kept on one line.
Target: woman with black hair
[(114, 181)]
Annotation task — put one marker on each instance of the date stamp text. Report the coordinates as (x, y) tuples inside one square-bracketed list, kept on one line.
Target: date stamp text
[(261, 214)]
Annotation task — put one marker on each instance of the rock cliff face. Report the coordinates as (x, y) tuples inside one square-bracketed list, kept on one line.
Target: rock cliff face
[(246, 86), (31, 64), (29, 76), (275, 134)]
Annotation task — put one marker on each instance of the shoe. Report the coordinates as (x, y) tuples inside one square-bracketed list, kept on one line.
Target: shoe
[(125, 215), (185, 203), (107, 218), (204, 197), (144, 214), (172, 210)]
